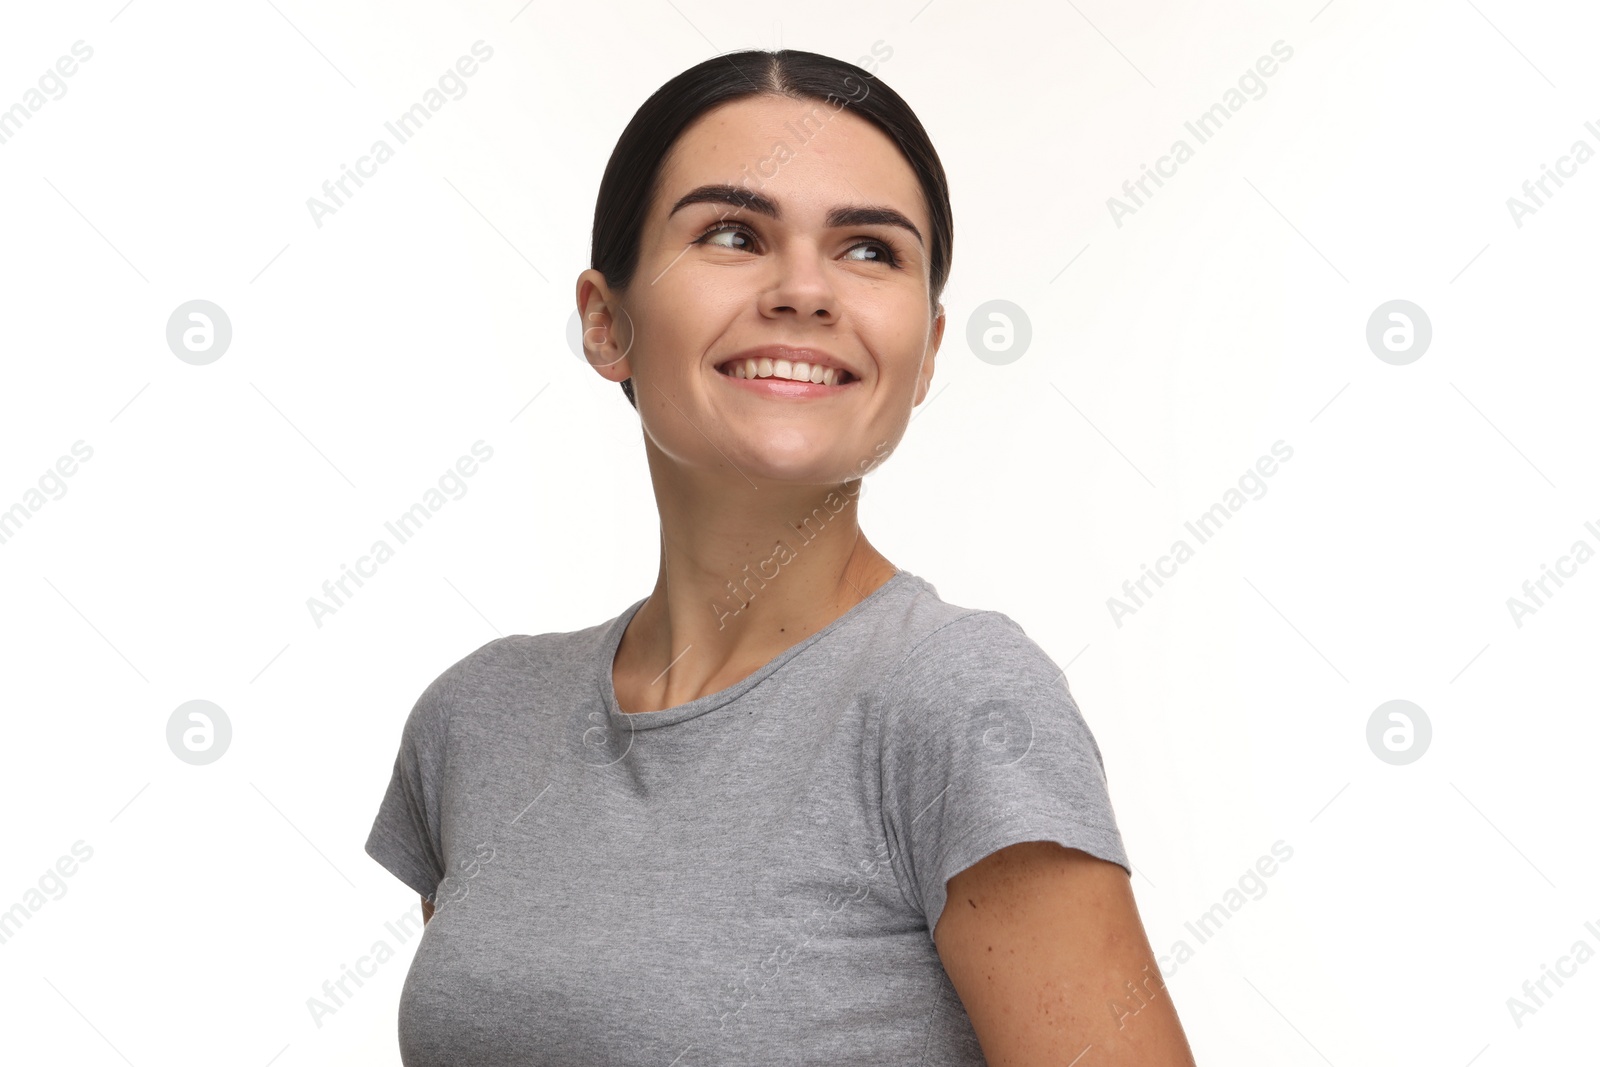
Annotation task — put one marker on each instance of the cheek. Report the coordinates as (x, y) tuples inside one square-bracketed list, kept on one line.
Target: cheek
[(665, 335), (896, 329), (691, 307)]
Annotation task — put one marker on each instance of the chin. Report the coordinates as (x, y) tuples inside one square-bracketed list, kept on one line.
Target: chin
[(818, 467)]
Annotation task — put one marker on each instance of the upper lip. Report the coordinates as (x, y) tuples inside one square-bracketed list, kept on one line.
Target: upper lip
[(793, 354)]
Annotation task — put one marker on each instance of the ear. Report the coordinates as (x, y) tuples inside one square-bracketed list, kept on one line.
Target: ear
[(607, 330), (925, 376)]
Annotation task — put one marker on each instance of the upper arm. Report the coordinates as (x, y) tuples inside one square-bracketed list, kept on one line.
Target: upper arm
[(427, 911), (407, 832), (1045, 948)]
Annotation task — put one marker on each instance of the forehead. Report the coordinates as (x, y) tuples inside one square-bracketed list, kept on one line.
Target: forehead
[(806, 154)]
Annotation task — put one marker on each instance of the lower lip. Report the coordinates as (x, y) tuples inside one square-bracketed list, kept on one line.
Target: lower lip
[(783, 387)]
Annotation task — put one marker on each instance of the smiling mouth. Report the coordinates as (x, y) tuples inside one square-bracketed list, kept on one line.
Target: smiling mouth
[(784, 370)]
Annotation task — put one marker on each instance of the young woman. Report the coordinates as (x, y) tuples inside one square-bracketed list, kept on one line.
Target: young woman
[(791, 807)]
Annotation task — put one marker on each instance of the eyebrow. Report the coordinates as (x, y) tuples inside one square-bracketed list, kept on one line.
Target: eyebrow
[(837, 218)]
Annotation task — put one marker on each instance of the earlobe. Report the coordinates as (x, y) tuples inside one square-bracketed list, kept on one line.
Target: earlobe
[(925, 376), (598, 349), (599, 338), (924, 380)]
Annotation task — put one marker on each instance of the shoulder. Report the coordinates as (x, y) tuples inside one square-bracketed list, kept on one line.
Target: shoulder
[(519, 663), (970, 648), (515, 659), (973, 633), (928, 629), (976, 679)]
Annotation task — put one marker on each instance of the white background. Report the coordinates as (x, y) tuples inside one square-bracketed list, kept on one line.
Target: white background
[(1168, 353)]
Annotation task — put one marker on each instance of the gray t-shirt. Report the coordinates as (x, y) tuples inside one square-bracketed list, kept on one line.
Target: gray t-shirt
[(751, 877)]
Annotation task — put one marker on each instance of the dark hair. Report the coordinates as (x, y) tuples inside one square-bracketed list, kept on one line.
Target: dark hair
[(629, 183)]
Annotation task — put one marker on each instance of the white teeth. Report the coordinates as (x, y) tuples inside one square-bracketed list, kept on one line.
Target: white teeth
[(781, 368)]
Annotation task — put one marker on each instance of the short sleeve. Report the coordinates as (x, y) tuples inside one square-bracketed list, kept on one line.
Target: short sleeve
[(406, 835), (982, 746)]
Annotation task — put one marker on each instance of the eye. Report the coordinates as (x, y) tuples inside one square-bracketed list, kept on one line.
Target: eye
[(728, 228), (887, 257), (886, 254)]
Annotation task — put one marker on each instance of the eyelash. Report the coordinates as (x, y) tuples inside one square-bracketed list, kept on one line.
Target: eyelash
[(893, 259)]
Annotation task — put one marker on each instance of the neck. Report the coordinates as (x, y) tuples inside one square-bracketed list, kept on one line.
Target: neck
[(745, 572)]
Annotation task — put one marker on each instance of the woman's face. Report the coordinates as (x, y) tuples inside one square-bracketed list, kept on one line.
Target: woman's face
[(722, 273)]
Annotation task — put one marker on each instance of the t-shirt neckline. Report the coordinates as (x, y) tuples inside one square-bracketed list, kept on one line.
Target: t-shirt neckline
[(649, 720)]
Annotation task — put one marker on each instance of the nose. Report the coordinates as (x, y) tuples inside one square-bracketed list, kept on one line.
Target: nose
[(800, 287)]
